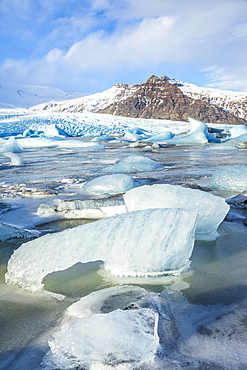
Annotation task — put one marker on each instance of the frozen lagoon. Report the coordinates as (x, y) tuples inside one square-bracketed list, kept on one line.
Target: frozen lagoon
[(205, 306)]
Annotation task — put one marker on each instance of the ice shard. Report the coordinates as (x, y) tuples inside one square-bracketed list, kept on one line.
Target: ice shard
[(143, 243), (211, 209)]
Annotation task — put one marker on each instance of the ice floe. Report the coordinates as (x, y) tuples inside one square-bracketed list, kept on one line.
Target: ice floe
[(133, 163), (142, 243), (229, 178), (211, 209), (111, 184)]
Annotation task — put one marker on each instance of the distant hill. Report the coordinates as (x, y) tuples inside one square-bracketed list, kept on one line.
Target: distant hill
[(162, 98), (27, 96)]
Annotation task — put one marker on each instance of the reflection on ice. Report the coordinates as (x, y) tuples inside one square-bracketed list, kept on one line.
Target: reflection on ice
[(141, 243)]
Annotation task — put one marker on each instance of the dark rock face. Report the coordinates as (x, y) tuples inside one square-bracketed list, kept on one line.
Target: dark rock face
[(157, 98)]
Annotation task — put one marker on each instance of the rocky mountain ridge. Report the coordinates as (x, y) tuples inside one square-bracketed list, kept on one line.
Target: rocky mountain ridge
[(161, 98)]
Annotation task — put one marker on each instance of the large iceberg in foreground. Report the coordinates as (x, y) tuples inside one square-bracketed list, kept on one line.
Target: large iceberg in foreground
[(211, 209), (142, 243), (229, 178), (111, 184), (111, 327), (133, 163)]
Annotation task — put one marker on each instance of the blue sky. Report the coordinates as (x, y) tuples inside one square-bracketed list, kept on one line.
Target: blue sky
[(89, 45)]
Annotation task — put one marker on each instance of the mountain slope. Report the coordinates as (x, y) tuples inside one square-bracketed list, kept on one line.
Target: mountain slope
[(157, 98), (27, 96), (160, 98)]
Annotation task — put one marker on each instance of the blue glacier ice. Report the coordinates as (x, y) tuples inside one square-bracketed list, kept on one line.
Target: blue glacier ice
[(111, 184), (150, 242), (211, 209), (133, 163), (237, 130), (229, 178)]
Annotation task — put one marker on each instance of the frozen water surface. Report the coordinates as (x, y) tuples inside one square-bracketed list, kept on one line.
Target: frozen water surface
[(202, 312)]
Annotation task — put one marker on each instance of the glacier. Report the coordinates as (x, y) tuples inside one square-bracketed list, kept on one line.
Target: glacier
[(141, 243), (133, 163), (229, 178), (111, 184), (211, 209)]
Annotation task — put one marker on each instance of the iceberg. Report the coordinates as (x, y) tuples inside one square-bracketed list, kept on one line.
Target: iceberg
[(133, 163), (150, 242), (229, 178), (160, 138), (11, 146), (239, 201), (111, 184), (136, 134), (211, 209), (118, 337), (238, 142)]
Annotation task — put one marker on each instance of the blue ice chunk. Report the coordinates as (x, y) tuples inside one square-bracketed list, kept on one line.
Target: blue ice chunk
[(229, 178), (133, 163), (111, 184)]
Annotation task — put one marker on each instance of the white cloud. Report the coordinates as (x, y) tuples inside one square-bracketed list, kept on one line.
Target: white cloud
[(109, 38)]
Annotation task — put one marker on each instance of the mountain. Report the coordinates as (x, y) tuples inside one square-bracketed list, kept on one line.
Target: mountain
[(162, 98), (26, 96)]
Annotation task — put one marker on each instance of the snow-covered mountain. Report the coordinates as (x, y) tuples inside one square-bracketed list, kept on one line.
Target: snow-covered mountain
[(231, 101), (26, 96), (90, 103), (175, 102)]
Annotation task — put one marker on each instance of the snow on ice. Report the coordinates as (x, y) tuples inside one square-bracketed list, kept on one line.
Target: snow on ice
[(141, 243), (211, 209)]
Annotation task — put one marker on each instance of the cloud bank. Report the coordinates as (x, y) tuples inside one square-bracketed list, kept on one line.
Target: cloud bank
[(90, 47)]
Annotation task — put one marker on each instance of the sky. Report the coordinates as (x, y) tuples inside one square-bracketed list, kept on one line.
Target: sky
[(88, 46)]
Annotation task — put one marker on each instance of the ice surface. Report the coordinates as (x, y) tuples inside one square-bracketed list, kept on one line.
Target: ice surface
[(133, 163), (11, 145), (111, 184), (148, 242), (8, 231), (210, 208), (112, 338), (136, 134), (229, 178), (51, 142)]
